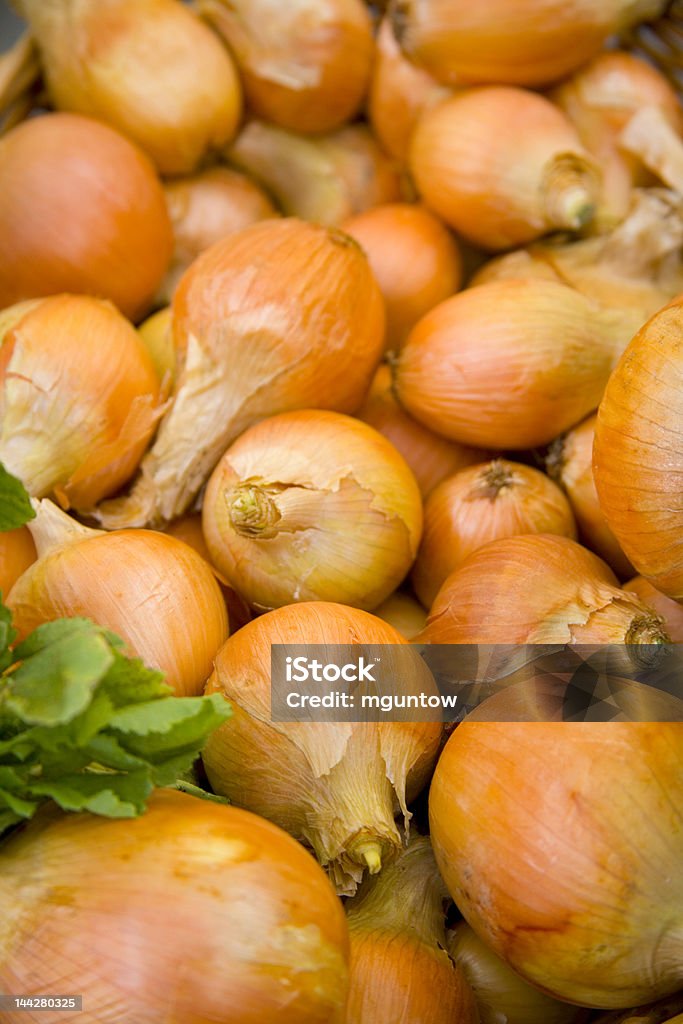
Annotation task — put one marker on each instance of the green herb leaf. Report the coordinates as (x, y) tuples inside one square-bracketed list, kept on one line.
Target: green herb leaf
[(15, 504)]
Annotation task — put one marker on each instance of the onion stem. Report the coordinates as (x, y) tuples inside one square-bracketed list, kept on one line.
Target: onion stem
[(569, 191), (651, 138)]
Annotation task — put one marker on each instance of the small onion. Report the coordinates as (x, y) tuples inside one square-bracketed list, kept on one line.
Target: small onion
[(282, 315), (79, 398), (312, 506), (153, 591), (479, 505), (414, 258), (402, 612), (638, 456), (156, 334), (148, 67), (670, 611), (399, 967), (335, 785), (562, 844), (81, 210), (304, 65), (188, 913), (502, 166), (17, 552)]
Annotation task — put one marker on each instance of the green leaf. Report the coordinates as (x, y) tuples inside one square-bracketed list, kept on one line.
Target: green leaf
[(19, 807), (7, 636), (116, 796), (15, 504)]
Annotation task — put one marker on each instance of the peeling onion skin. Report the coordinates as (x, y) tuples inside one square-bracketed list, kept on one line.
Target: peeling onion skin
[(17, 552), (671, 611), (204, 910), (638, 454), (539, 852)]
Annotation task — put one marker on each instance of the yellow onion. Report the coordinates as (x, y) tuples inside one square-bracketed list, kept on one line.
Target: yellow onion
[(335, 785), (156, 334), (561, 845), (312, 506), (570, 463), (652, 1013), (282, 315), (670, 611), (509, 364), (525, 42), (182, 915), (305, 65), (399, 92), (404, 613), (415, 259), (19, 81), (79, 398), (152, 590), (326, 179), (501, 995), (81, 210), (637, 455), (430, 457), (148, 67), (17, 552), (479, 505), (399, 968), (503, 166), (205, 208), (538, 589)]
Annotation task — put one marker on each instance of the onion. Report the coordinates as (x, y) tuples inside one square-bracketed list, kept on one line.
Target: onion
[(17, 552), (653, 1013), (399, 967), (481, 504), (430, 457), (537, 848), (404, 613), (510, 364), (525, 42), (206, 910), (638, 461), (79, 398), (205, 208), (336, 785), (570, 463), (670, 611), (81, 210), (538, 589), (312, 506), (156, 334), (148, 67), (282, 315), (304, 65), (325, 179), (502, 166), (414, 258), (153, 591)]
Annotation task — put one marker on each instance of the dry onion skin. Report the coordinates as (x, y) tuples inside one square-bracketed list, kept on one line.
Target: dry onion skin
[(404, 613), (537, 849), (81, 210), (414, 258), (335, 785), (503, 166), (79, 397), (305, 65), (150, 68), (153, 591), (282, 315), (312, 506), (479, 505), (228, 914), (509, 364), (399, 968), (538, 589), (670, 611), (530, 42), (637, 455), (17, 552)]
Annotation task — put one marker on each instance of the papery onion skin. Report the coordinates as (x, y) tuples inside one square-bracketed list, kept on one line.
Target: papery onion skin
[(671, 611), (509, 364), (414, 258), (637, 455), (81, 210), (312, 506), (79, 397), (17, 552), (502, 166), (334, 785), (153, 591), (537, 849), (150, 68), (305, 65), (225, 910), (479, 505)]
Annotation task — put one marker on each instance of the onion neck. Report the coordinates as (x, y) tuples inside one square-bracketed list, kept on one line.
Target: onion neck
[(647, 629), (494, 479), (53, 529), (570, 188), (556, 459), (651, 138), (263, 511)]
